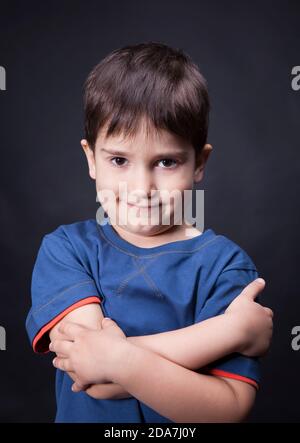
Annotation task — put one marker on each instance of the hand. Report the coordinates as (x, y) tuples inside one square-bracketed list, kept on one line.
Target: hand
[(88, 353), (253, 320)]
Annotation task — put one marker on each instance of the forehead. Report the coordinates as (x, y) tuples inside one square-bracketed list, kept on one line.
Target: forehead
[(144, 139)]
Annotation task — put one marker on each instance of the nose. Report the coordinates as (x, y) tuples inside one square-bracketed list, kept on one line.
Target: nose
[(141, 186)]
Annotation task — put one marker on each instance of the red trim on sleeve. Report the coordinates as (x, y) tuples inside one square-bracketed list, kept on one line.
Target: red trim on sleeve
[(41, 340), (221, 373)]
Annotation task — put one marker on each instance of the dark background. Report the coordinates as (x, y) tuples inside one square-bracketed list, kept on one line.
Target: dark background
[(246, 50)]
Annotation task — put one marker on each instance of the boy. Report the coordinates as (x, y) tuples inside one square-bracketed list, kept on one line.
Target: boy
[(182, 343)]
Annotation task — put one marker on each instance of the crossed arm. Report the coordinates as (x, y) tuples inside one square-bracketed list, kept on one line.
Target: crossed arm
[(163, 375)]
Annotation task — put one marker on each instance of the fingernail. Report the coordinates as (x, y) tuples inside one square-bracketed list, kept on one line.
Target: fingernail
[(260, 280), (53, 361)]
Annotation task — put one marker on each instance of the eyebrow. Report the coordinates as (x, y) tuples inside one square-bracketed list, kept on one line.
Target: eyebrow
[(121, 153)]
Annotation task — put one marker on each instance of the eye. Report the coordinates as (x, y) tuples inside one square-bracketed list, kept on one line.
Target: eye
[(118, 158), (167, 161), (120, 162)]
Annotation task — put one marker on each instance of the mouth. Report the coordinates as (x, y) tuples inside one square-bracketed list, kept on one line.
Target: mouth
[(132, 205)]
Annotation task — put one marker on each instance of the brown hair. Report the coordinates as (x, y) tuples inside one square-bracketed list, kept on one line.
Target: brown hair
[(150, 80)]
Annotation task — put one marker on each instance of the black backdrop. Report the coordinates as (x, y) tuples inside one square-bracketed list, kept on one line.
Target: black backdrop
[(246, 50)]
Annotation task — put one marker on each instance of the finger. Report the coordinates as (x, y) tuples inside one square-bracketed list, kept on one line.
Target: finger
[(269, 311), (63, 363), (72, 375), (71, 330), (60, 355), (254, 288), (77, 387), (61, 347)]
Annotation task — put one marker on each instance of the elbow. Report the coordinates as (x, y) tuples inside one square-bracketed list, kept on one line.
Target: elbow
[(239, 412), (242, 400), (244, 412), (232, 402)]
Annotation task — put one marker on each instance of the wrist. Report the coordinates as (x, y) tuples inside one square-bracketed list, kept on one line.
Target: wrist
[(133, 340), (123, 361)]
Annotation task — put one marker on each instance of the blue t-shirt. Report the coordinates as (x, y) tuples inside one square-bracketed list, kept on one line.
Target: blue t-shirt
[(145, 290)]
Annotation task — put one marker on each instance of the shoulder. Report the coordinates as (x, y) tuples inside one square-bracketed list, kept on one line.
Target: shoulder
[(84, 231), (227, 270), (225, 254), (79, 229), (77, 237)]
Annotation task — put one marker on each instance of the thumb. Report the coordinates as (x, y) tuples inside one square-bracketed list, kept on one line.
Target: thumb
[(254, 288)]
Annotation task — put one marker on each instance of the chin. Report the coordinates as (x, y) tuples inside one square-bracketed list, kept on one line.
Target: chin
[(144, 229)]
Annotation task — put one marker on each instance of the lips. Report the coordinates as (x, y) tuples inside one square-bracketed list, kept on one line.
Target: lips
[(139, 206)]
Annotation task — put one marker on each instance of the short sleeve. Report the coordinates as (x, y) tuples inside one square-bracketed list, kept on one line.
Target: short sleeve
[(229, 285), (60, 283)]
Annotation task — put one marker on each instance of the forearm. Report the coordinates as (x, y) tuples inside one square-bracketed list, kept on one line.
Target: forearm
[(174, 392), (194, 346), (191, 347)]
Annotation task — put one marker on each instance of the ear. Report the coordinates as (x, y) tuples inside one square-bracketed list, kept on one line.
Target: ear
[(90, 158), (201, 160)]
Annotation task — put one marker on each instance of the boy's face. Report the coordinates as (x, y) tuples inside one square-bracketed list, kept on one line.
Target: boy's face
[(144, 171)]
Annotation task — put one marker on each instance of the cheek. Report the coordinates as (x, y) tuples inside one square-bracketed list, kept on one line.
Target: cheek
[(175, 187), (105, 179), (178, 182), (107, 191)]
